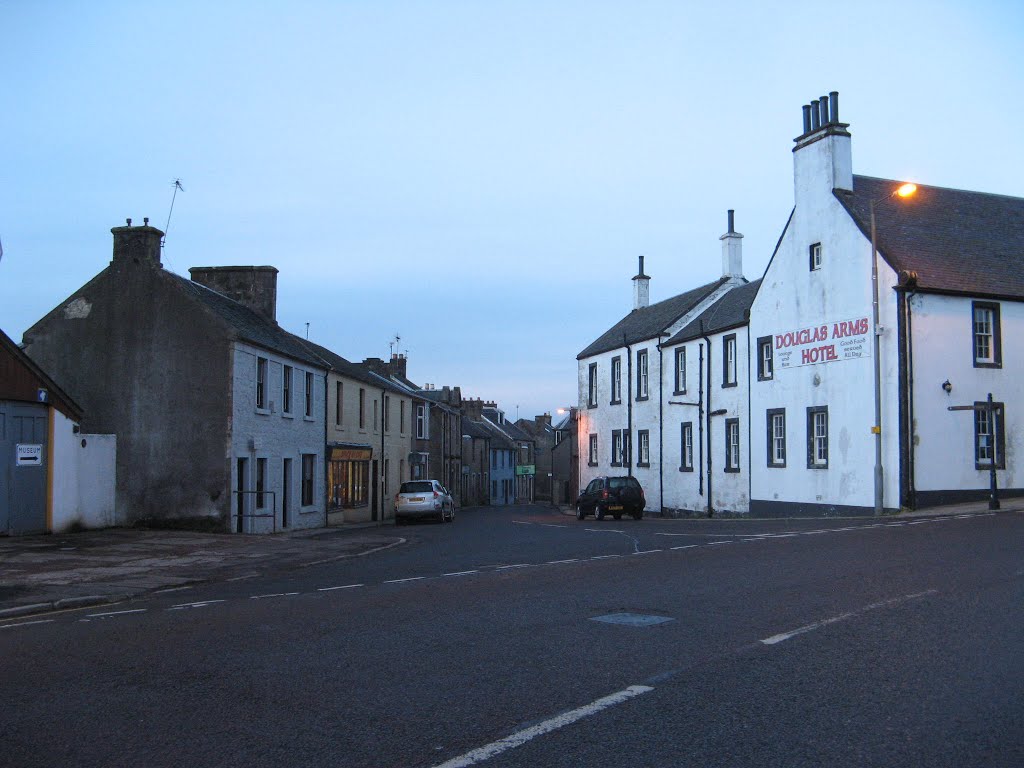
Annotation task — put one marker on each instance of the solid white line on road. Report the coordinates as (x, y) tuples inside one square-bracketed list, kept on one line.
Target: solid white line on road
[(557, 562), (27, 623), (713, 535), (602, 530), (716, 543), (399, 581), (686, 546), (603, 557), (517, 565), (276, 594), (343, 586), (825, 622), (519, 738), (172, 589), (919, 522), (460, 573), (247, 576), (647, 551), (811, 533), (114, 613), (199, 604)]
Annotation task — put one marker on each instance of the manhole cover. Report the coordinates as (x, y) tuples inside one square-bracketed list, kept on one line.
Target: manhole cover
[(632, 619)]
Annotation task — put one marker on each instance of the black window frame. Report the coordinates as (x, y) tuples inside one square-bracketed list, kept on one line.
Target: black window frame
[(309, 395), (308, 478), (810, 256), (286, 390), (592, 386), (730, 467), (616, 380), (640, 435), (339, 403), (770, 415), (811, 412), (997, 335), (643, 375), (680, 356), (999, 416), (726, 382), (617, 439), (362, 408), (685, 459), (592, 449), (262, 372), (764, 342)]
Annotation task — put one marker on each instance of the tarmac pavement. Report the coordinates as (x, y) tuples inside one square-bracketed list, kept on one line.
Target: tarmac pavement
[(54, 572)]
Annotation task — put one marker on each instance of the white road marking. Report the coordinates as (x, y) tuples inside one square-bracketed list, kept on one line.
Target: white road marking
[(276, 594), (686, 546), (114, 613), (570, 560), (603, 530), (26, 623), (716, 543), (460, 573), (199, 604), (172, 589), (517, 565), (647, 551), (551, 525), (399, 581), (825, 622), (603, 557), (918, 522), (343, 586), (521, 522), (519, 738), (811, 533), (243, 578), (713, 535)]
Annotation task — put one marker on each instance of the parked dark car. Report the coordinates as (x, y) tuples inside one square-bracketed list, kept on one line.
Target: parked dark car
[(613, 496)]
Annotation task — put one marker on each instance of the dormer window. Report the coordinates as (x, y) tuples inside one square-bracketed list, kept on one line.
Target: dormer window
[(815, 256)]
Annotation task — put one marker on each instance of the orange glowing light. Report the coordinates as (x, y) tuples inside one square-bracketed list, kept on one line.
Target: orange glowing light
[(906, 190)]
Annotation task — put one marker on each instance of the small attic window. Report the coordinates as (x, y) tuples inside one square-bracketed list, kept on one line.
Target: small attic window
[(815, 256)]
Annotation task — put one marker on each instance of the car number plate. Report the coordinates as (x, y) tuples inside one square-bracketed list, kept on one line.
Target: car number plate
[(416, 498), (615, 507)]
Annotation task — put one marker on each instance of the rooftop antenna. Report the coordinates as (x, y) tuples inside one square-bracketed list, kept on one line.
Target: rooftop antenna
[(167, 226), (307, 331)]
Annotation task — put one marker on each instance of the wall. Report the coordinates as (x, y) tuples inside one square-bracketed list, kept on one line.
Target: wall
[(274, 435), (84, 477)]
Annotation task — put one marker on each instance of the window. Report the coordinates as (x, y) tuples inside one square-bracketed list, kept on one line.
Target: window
[(286, 390), (815, 256), (616, 380), (989, 441), (765, 362), (261, 382), (617, 448), (339, 401), (387, 418), (776, 437), (309, 393), (494, 459), (421, 422), (308, 464), (680, 371), (261, 483), (732, 445), (362, 408), (592, 386), (592, 458), (641, 375), (643, 439), (686, 447), (729, 360), (988, 348), (401, 416), (375, 414), (817, 437)]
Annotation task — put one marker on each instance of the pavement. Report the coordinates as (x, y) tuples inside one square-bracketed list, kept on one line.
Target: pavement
[(53, 572)]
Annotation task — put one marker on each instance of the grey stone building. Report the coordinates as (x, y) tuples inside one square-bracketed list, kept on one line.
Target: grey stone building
[(543, 436), (218, 412)]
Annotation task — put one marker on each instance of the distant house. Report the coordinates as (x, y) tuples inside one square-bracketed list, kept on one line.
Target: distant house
[(218, 412), (476, 452), (543, 436), (565, 466), (53, 476)]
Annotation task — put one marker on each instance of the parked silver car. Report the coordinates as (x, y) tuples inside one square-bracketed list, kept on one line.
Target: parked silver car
[(423, 498)]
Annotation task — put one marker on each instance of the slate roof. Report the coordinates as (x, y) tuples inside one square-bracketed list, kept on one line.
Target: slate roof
[(730, 311), (249, 325), (646, 323), (498, 437), (475, 429), (957, 241)]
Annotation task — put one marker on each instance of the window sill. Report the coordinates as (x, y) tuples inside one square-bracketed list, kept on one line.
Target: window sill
[(776, 466), (591, 405), (641, 398), (982, 364), (732, 470), (765, 378), (644, 464), (616, 463), (686, 469), (728, 384), (262, 411), (615, 402), (817, 466), (591, 463), (679, 392), (286, 415)]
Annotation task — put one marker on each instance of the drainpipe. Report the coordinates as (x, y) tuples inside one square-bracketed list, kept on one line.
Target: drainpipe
[(700, 420), (383, 465), (627, 441), (661, 434), (707, 416)]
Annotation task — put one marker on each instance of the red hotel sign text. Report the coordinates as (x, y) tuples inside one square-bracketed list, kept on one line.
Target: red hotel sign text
[(825, 343)]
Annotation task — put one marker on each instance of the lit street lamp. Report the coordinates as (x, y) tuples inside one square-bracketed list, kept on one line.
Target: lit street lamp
[(904, 190)]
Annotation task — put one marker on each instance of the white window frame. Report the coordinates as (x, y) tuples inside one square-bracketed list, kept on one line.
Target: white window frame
[(686, 446), (616, 380), (680, 383), (816, 257), (644, 440), (642, 379)]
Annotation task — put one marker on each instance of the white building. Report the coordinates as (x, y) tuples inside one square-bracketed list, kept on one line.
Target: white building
[(950, 289)]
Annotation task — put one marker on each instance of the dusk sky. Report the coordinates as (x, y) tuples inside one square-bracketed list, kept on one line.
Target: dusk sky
[(476, 177)]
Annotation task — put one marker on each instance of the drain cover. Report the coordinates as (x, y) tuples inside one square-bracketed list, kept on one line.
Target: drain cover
[(632, 619)]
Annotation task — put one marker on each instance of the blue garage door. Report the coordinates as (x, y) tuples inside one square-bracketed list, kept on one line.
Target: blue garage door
[(23, 453)]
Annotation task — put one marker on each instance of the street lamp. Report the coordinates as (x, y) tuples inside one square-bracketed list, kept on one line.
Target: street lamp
[(904, 190)]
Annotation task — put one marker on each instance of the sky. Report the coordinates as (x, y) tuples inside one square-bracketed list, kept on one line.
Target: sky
[(477, 178)]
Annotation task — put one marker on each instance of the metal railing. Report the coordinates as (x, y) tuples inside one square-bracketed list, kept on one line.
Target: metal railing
[(238, 518)]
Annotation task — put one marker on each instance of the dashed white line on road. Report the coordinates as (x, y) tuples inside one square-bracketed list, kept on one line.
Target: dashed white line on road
[(399, 581), (602, 530), (172, 589), (774, 639), (551, 525), (557, 562), (604, 557), (647, 551), (716, 543), (198, 604), (246, 576), (686, 546), (276, 594), (26, 623), (517, 565), (519, 738), (113, 613), (460, 573), (343, 586)]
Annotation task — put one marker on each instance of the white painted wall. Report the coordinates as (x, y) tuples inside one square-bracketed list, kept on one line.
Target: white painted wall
[(942, 328), (84, 475)]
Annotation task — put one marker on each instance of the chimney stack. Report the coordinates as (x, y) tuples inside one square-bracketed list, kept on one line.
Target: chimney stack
[(732, 251), (641, 288), (253, 287), (397, 366), (137, 245), (822, 156)]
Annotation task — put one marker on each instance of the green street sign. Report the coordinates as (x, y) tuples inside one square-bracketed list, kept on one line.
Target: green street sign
[(526, 469)]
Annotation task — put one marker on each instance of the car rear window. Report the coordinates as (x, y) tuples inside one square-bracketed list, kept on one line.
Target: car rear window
[(623, 482), (421, 486)]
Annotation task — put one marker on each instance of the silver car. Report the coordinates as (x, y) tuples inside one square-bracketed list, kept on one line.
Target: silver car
[(423, 498)]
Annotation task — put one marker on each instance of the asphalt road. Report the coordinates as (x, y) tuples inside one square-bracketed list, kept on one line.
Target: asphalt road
[(745, 643)]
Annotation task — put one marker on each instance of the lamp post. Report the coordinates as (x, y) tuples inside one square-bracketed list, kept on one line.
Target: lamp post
[(904, 190)]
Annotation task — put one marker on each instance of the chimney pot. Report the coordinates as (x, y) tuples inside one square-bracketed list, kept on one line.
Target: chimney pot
[(833, 101), (732, 226), (807, 118), (815, 115), (128, 221), (823, 106)]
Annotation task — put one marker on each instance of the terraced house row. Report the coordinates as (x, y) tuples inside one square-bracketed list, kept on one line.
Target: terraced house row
[(876, 365)]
